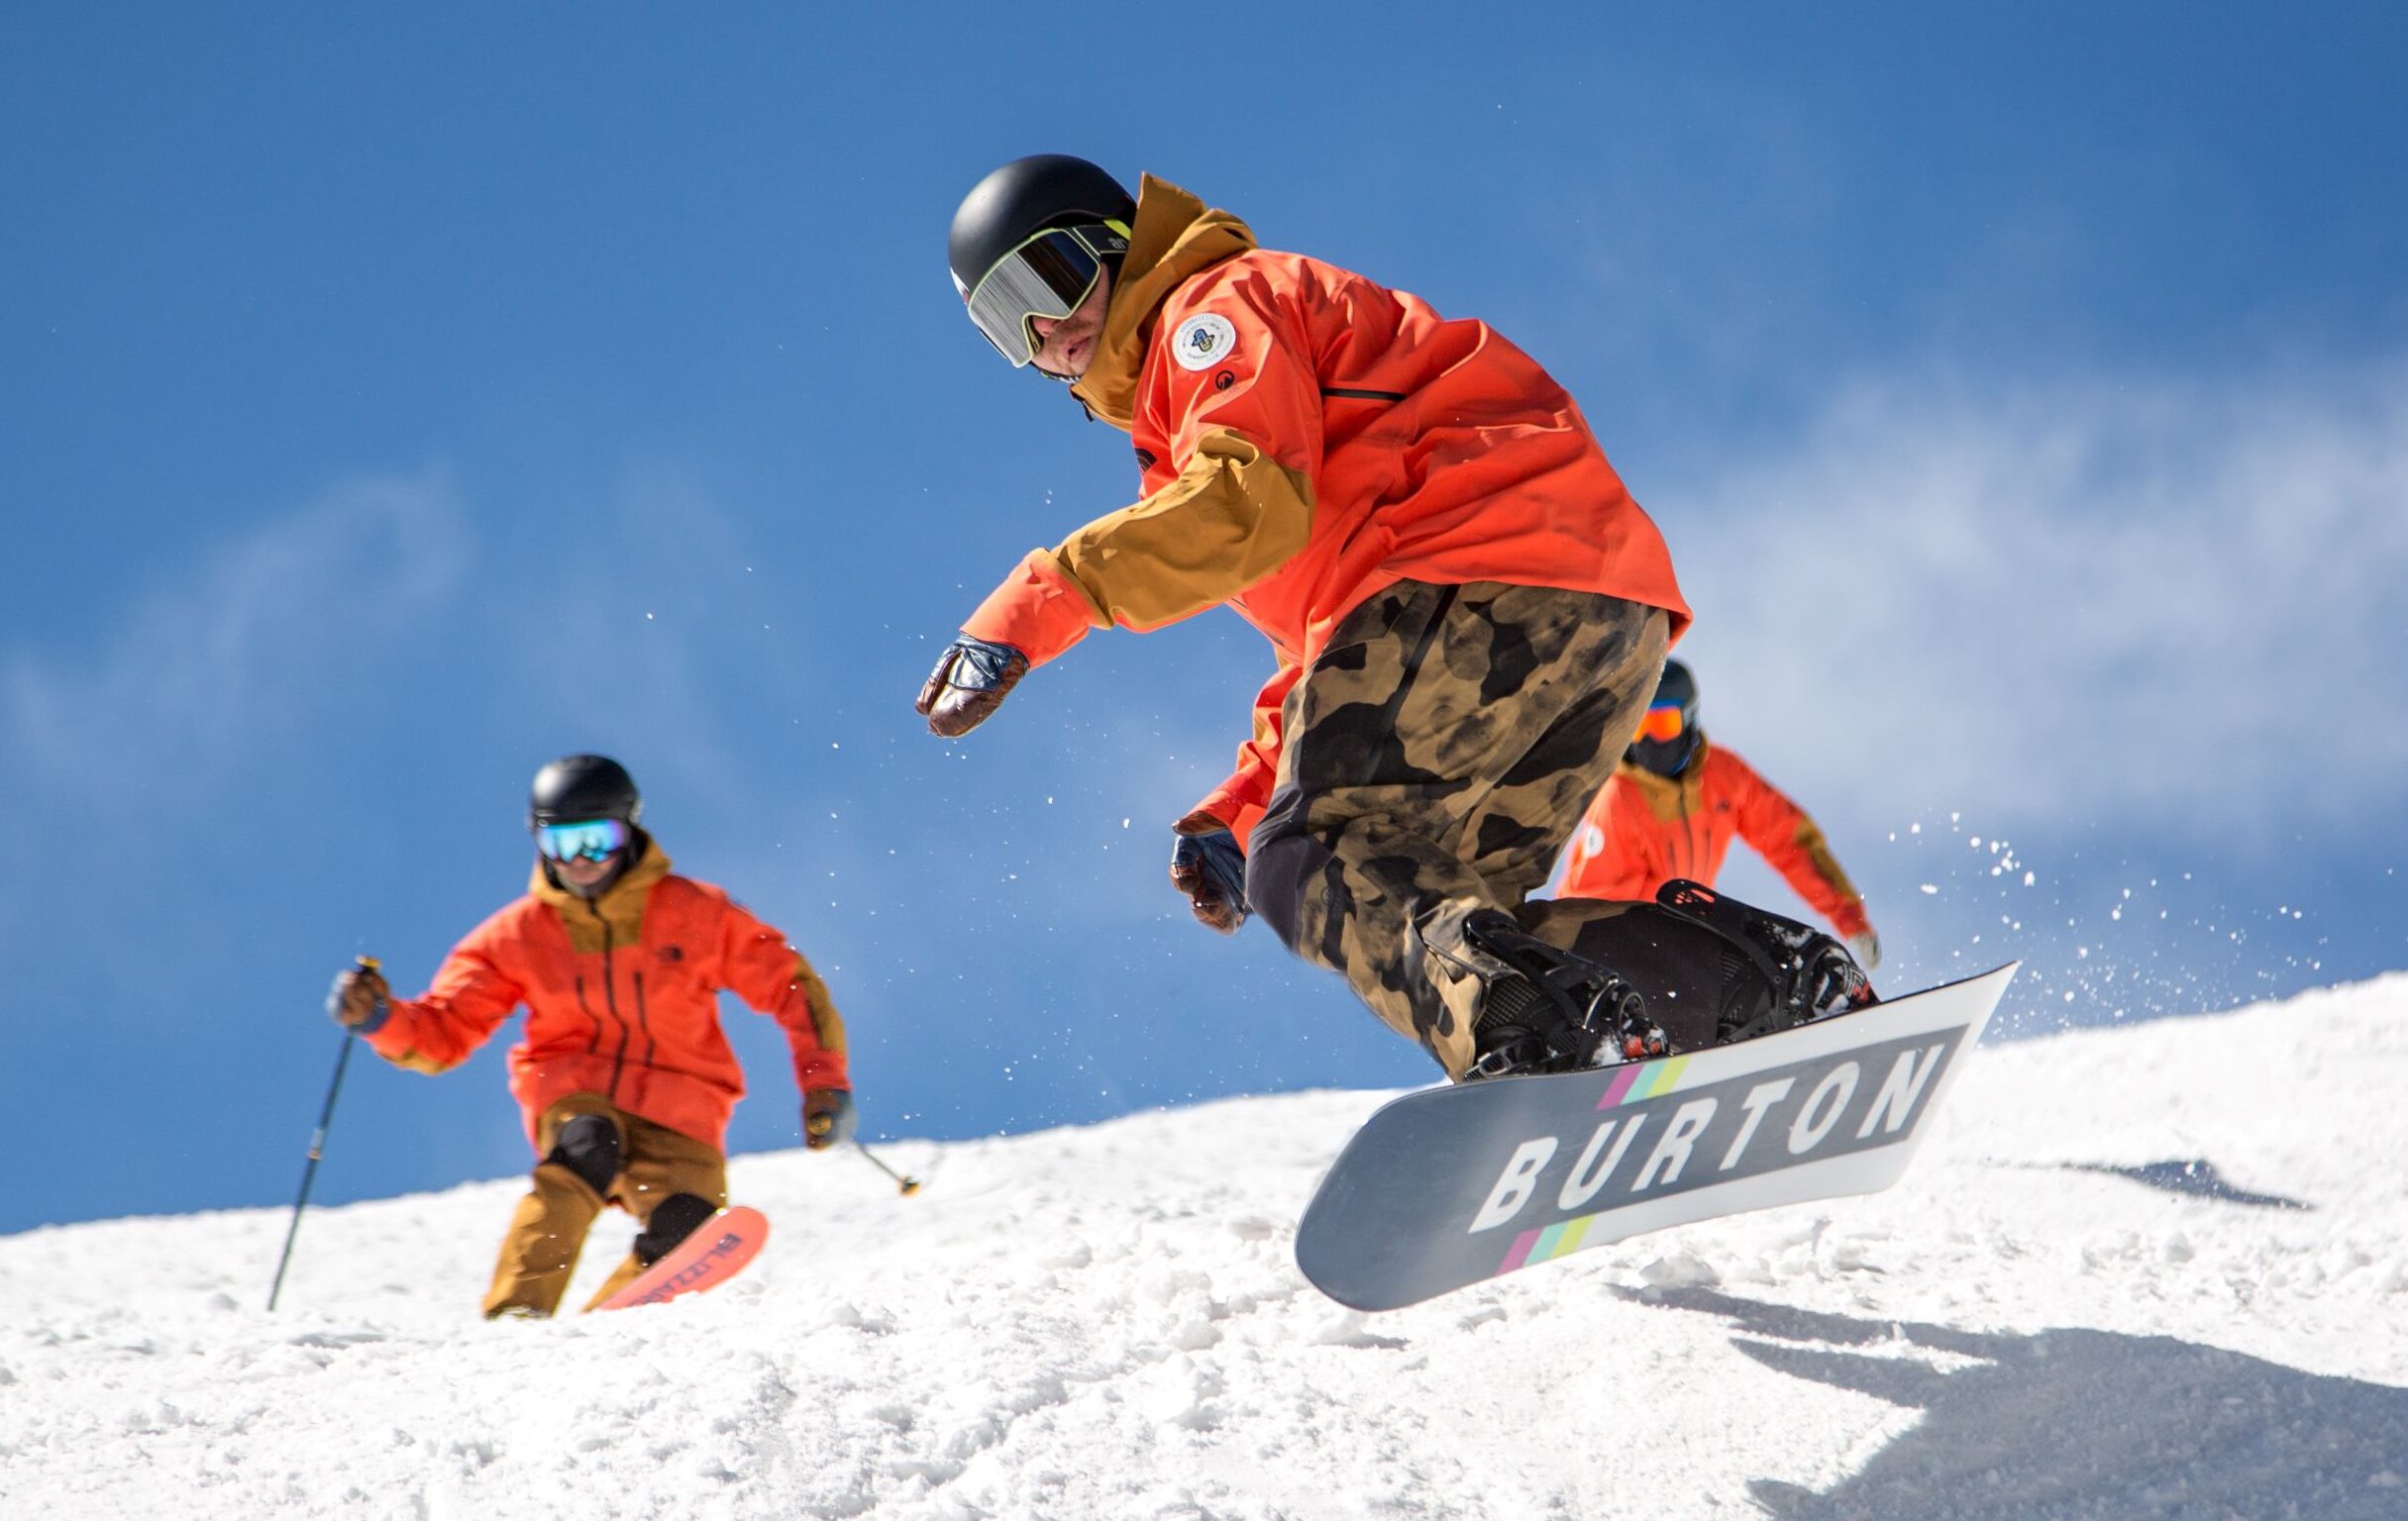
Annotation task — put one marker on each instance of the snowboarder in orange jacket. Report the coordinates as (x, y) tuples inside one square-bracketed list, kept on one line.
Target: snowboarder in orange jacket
[(1673, 807), (1466, 608), (624, 1075)]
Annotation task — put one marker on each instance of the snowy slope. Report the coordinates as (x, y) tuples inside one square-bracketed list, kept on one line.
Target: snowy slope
[(2052, 1316)]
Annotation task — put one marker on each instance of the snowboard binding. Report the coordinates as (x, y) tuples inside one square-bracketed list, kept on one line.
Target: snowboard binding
[(1551, 1011), (1810, 975)]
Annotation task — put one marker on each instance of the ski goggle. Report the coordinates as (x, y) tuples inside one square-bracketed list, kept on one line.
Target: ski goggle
[(1663, 722), (591, 840), (1049, 276)]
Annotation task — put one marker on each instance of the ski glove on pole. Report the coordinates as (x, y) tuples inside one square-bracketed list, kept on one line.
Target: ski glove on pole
[(1209, 867), (1866, 948), (969, 683), (827, 1118), (357, 1001)]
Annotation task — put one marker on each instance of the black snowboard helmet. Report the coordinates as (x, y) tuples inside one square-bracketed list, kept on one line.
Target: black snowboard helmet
[(1668, 755), (576, 789), (1028, 241)]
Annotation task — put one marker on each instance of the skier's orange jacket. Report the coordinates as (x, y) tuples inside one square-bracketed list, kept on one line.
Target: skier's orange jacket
[(1308, 437), (1643, 830), (621, 995)]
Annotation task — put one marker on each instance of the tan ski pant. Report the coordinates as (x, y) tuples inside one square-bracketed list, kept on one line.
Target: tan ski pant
[(547, 1230)]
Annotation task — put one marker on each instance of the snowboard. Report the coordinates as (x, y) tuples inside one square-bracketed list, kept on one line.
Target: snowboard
[(1451, 1186), (715, 1252)]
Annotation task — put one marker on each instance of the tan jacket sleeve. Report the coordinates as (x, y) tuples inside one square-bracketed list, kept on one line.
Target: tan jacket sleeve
[(1232, 516)]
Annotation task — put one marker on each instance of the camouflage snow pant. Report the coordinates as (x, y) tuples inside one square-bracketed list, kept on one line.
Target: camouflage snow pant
[(1437, 756)]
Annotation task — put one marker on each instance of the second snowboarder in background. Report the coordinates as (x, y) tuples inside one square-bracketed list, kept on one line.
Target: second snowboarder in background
[(1673, 807)]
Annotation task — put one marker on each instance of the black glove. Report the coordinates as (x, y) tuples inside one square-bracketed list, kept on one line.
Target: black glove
[(827, 1118), (1207, 866), (969, 683), (358, 999)]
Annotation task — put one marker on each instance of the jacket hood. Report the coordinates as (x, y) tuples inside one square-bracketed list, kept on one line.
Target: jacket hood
[(621, 905), (1175, 236), (1662, 793)]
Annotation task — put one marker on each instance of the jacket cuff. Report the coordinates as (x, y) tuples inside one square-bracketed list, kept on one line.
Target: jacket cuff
[(1227, 804), (1039, 610), (393, 1038), (823, 1070)]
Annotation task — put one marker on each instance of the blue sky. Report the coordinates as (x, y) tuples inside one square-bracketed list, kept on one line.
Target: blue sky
[(397, 399)]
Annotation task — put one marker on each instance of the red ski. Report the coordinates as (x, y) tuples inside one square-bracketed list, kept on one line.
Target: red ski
[(716, 1252)]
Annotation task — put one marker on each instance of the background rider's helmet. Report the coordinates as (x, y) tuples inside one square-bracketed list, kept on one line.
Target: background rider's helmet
[(583, 806), (1668, 735)]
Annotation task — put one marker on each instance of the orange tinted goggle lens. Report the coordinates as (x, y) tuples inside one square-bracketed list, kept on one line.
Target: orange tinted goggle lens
[(1662, 723)]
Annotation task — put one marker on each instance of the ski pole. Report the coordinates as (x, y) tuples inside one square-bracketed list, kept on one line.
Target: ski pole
[(317, 1148), (904, 1184)]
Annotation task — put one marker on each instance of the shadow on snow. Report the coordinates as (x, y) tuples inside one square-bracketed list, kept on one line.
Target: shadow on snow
[(2079, 1423), (2196, 1177)]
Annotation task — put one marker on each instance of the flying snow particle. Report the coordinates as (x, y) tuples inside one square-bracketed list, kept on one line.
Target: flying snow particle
[(1930, 888)]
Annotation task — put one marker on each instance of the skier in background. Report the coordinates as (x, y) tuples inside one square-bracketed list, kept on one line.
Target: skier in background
[(1467, 609), (624, 1075), (1672, 807)]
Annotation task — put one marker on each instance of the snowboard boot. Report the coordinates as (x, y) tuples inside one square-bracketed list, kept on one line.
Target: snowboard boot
[(1811, 975), (1547, 1010)]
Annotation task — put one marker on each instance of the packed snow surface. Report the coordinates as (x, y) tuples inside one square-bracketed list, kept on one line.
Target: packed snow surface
[(2148, 1272)]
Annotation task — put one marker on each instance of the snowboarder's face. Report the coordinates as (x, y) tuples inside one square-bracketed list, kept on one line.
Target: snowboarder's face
[(586, 877), (1066, 347), (585, 854)]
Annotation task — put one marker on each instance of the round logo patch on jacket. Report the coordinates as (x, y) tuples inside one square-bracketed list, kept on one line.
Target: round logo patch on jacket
[(1204, 341)]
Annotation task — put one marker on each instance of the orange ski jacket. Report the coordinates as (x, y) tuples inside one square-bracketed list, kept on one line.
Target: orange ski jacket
[(1306, 437), (621, 997), (1643, 830)]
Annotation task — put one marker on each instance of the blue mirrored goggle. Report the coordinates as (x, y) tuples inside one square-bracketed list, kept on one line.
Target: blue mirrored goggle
[(590, 839)]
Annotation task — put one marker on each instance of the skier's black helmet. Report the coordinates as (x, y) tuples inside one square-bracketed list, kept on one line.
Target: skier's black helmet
[(1004, 275), (1668, 735), (576, 789)]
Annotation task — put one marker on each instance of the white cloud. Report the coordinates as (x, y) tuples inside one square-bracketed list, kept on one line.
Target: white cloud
[(2159, 602), (237, 652)]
